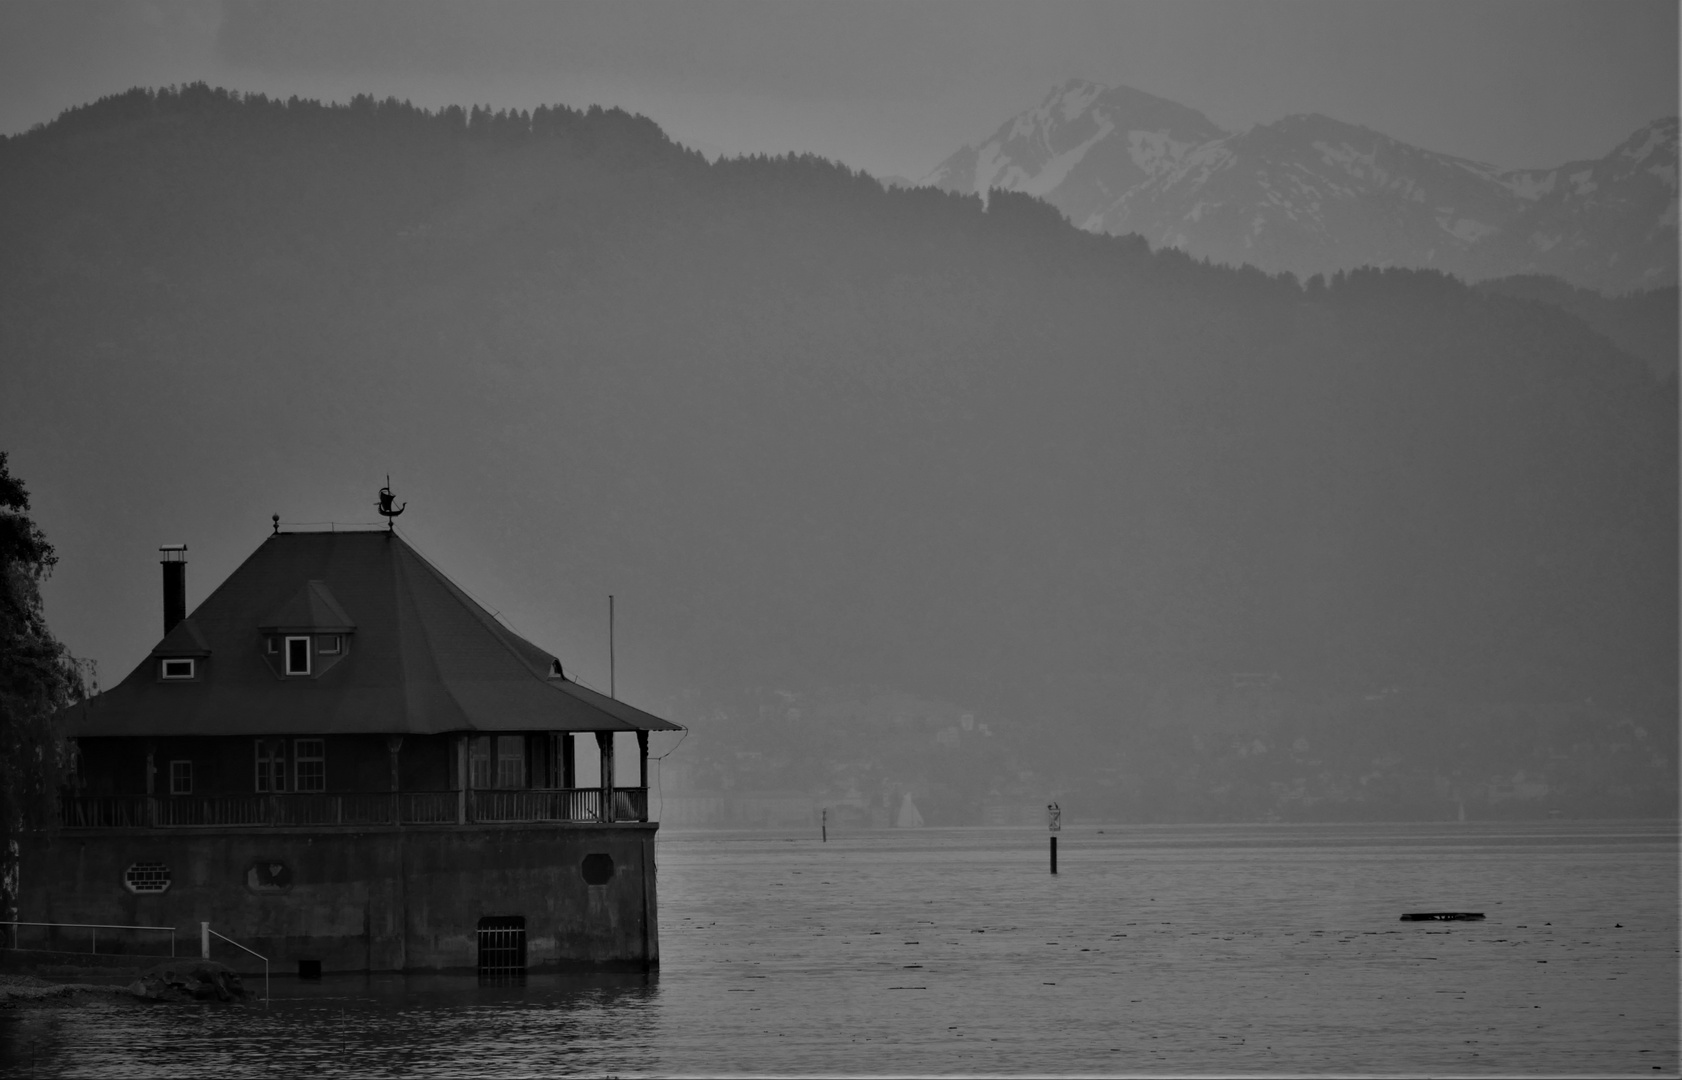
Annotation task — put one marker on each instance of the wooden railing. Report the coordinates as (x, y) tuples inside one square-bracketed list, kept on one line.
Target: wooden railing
[(351, 808)]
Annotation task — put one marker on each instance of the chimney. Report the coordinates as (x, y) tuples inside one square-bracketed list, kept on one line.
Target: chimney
[(174, 560)]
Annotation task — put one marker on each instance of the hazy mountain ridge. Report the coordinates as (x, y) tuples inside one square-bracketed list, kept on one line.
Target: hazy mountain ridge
[(813, 433), (1310, 194)]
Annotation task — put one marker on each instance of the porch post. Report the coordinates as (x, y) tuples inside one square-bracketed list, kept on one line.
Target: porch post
[(151, 784), (394, 743), (642, 771), (569, 760), (461, 779), (604, 743)]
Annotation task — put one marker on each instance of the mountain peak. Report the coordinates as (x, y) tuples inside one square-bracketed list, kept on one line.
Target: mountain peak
[(1310, 193)]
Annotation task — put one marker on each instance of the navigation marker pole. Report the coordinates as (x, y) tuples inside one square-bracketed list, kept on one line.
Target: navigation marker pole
[(1054, 819)]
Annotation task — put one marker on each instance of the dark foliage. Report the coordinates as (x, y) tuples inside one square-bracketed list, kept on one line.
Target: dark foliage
[(37, 679)]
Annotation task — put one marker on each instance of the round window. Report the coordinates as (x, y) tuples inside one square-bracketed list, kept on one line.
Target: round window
[(597, 869), (146, 877)]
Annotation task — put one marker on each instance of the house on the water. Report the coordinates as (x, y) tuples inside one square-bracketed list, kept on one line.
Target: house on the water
[(342, 761)]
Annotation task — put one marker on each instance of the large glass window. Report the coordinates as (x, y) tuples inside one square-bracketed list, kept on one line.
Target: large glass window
[(479, 769), (510, 761), (181, 778), (271, 764), (309, 760)]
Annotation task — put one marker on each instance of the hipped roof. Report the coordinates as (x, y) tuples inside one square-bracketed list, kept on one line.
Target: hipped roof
[(422, 657)]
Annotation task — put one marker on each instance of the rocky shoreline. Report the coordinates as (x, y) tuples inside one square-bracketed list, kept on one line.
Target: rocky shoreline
[(175, 981)]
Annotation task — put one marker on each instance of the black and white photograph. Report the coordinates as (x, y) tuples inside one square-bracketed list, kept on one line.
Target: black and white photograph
[(785, 538)]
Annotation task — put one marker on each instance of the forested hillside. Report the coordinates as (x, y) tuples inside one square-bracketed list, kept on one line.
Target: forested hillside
[(822, 434)]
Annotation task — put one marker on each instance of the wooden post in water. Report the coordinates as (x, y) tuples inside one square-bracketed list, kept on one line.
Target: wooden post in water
[(1054, 821), (826, 824)]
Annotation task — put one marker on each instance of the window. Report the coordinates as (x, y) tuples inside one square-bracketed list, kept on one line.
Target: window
[(309, 757), (146, 877), (271, 765), (479, 761), (274, 645), (510, 761), (502, 947), (181, 778), (297, 656), (177, 669), (330, 644)]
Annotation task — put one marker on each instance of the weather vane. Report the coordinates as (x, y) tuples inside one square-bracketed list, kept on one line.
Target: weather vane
[(385, 505)]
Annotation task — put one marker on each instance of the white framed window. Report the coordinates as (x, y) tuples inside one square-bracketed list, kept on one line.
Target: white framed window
[(271, 765), (309, 762), (297, 656), (330, 644), (176, 669), (181, 778)]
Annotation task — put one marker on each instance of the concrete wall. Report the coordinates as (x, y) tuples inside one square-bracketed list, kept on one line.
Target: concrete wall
[(360, 899)]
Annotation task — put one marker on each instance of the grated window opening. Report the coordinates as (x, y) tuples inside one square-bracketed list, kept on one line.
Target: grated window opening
[(502, 947), (147, 877), (181, 778)]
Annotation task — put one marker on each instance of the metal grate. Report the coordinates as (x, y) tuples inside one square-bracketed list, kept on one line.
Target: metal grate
[(147, 877), (502, 947)]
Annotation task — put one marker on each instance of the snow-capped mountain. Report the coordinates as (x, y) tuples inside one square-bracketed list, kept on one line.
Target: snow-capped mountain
[(1314, 195)]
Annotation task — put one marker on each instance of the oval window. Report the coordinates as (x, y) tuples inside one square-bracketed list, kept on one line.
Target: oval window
[(146, 877), (597, 868)]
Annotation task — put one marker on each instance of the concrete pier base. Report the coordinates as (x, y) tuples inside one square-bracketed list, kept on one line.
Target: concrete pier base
[(356, 899)]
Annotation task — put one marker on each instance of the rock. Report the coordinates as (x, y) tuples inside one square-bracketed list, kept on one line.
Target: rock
[(189, 980)]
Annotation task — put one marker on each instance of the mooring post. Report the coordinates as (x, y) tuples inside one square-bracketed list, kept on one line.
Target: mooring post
[(826, 824), (204, 940), (1053, 821)]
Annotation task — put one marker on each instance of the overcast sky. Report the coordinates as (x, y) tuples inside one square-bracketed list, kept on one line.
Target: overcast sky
[(893, 87)]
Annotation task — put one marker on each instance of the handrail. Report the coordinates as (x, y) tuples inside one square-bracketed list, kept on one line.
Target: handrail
[(329, 809), (206, 932), (96, 928)]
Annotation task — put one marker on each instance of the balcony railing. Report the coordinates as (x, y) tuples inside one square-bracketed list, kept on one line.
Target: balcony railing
[(351, 808)]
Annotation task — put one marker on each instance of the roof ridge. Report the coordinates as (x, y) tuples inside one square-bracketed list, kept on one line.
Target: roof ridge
[(404, 594)]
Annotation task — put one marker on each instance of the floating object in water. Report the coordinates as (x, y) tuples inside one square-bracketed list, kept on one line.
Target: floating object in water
[(1441, 916)]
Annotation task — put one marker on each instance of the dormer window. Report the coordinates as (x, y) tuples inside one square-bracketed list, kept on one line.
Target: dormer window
[(308, 634), (176, 669), (297, 656)]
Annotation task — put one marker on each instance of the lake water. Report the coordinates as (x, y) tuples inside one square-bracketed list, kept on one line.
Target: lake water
[(1158, 949)]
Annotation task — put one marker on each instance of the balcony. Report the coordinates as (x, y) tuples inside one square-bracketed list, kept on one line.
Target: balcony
[(358, 808)]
